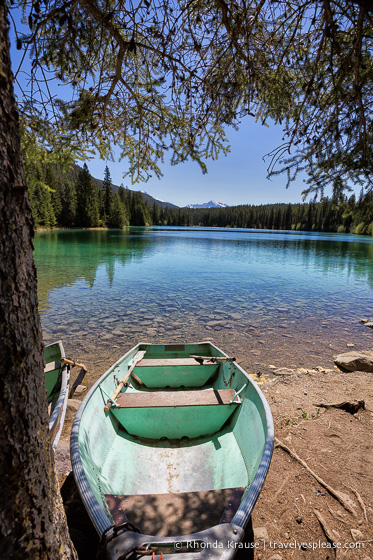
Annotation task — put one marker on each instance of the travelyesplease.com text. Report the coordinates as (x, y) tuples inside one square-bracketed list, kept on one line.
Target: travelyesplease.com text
[(275, 545)]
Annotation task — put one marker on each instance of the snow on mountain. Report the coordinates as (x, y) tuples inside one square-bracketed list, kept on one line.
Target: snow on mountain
[(211, 204)]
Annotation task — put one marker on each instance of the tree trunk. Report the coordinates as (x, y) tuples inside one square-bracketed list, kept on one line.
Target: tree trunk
[(32, 519)]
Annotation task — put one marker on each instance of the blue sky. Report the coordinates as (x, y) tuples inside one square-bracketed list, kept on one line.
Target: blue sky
[(238, 178)]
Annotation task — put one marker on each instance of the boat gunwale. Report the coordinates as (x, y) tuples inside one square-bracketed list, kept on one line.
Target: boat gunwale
[(59, 410), (94, 509), (246, 507)]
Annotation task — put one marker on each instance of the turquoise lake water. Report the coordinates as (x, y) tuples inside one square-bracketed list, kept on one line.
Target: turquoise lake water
[(282, 298)]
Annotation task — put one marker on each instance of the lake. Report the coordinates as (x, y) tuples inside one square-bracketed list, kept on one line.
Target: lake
[(268, 297)]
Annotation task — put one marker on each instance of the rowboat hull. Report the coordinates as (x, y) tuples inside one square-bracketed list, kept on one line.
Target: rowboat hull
[(183, 451), (57, 378)]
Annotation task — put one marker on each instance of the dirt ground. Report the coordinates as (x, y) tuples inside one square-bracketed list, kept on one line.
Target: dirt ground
[(337, 447), (297, 516)]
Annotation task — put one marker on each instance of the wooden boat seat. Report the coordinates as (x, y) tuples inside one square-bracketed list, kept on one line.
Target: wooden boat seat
[(145, 399), (175, 414), (52, 366)]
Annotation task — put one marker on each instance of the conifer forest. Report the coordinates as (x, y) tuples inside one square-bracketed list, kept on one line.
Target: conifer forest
[(75, 199)]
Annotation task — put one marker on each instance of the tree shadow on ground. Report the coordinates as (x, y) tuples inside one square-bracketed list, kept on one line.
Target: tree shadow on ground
[(82, 531)]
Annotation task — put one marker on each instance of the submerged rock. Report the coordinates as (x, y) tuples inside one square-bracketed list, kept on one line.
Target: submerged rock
[(215, 324), (107, 336), (355, 361)]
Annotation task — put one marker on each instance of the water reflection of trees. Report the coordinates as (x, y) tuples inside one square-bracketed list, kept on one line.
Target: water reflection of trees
[(327, 254), (64, 257), (331, 256)]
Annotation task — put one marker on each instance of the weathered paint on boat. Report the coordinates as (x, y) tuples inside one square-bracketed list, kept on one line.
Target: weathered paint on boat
[(57, 378), (180, 459)]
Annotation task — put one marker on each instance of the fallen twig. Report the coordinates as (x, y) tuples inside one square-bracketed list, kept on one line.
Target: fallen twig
[(280, 489), (360, 500), (337, 516), (342, 498), (348, 406), (330, 533)]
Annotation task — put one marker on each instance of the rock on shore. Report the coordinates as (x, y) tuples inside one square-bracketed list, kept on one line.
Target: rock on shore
[(355, 361)]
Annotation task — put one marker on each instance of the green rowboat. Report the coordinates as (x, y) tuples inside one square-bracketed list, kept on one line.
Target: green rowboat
[(170, 449), (57, 377)]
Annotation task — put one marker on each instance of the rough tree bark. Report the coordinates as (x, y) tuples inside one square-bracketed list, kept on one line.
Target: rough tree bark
[(32, 519)]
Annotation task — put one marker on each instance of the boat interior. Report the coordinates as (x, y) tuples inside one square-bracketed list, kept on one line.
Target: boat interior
[(52, 370), (179, 446)]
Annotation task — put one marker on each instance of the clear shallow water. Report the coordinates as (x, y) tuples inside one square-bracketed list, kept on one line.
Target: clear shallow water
[(270, 297)]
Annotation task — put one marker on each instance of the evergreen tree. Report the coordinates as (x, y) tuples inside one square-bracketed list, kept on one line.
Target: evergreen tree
[(117, 217), (40, 194), (108, 197), (138, 217), (87, 214), (42, 208), (68, 203), (54, 185), (156, 214), (101, 206)]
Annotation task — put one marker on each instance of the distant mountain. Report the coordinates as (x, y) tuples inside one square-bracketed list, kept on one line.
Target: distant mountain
[(152, 200), (211, 204)]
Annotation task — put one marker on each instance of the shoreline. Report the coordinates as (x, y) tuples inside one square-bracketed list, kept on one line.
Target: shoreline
[(225, 228)]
